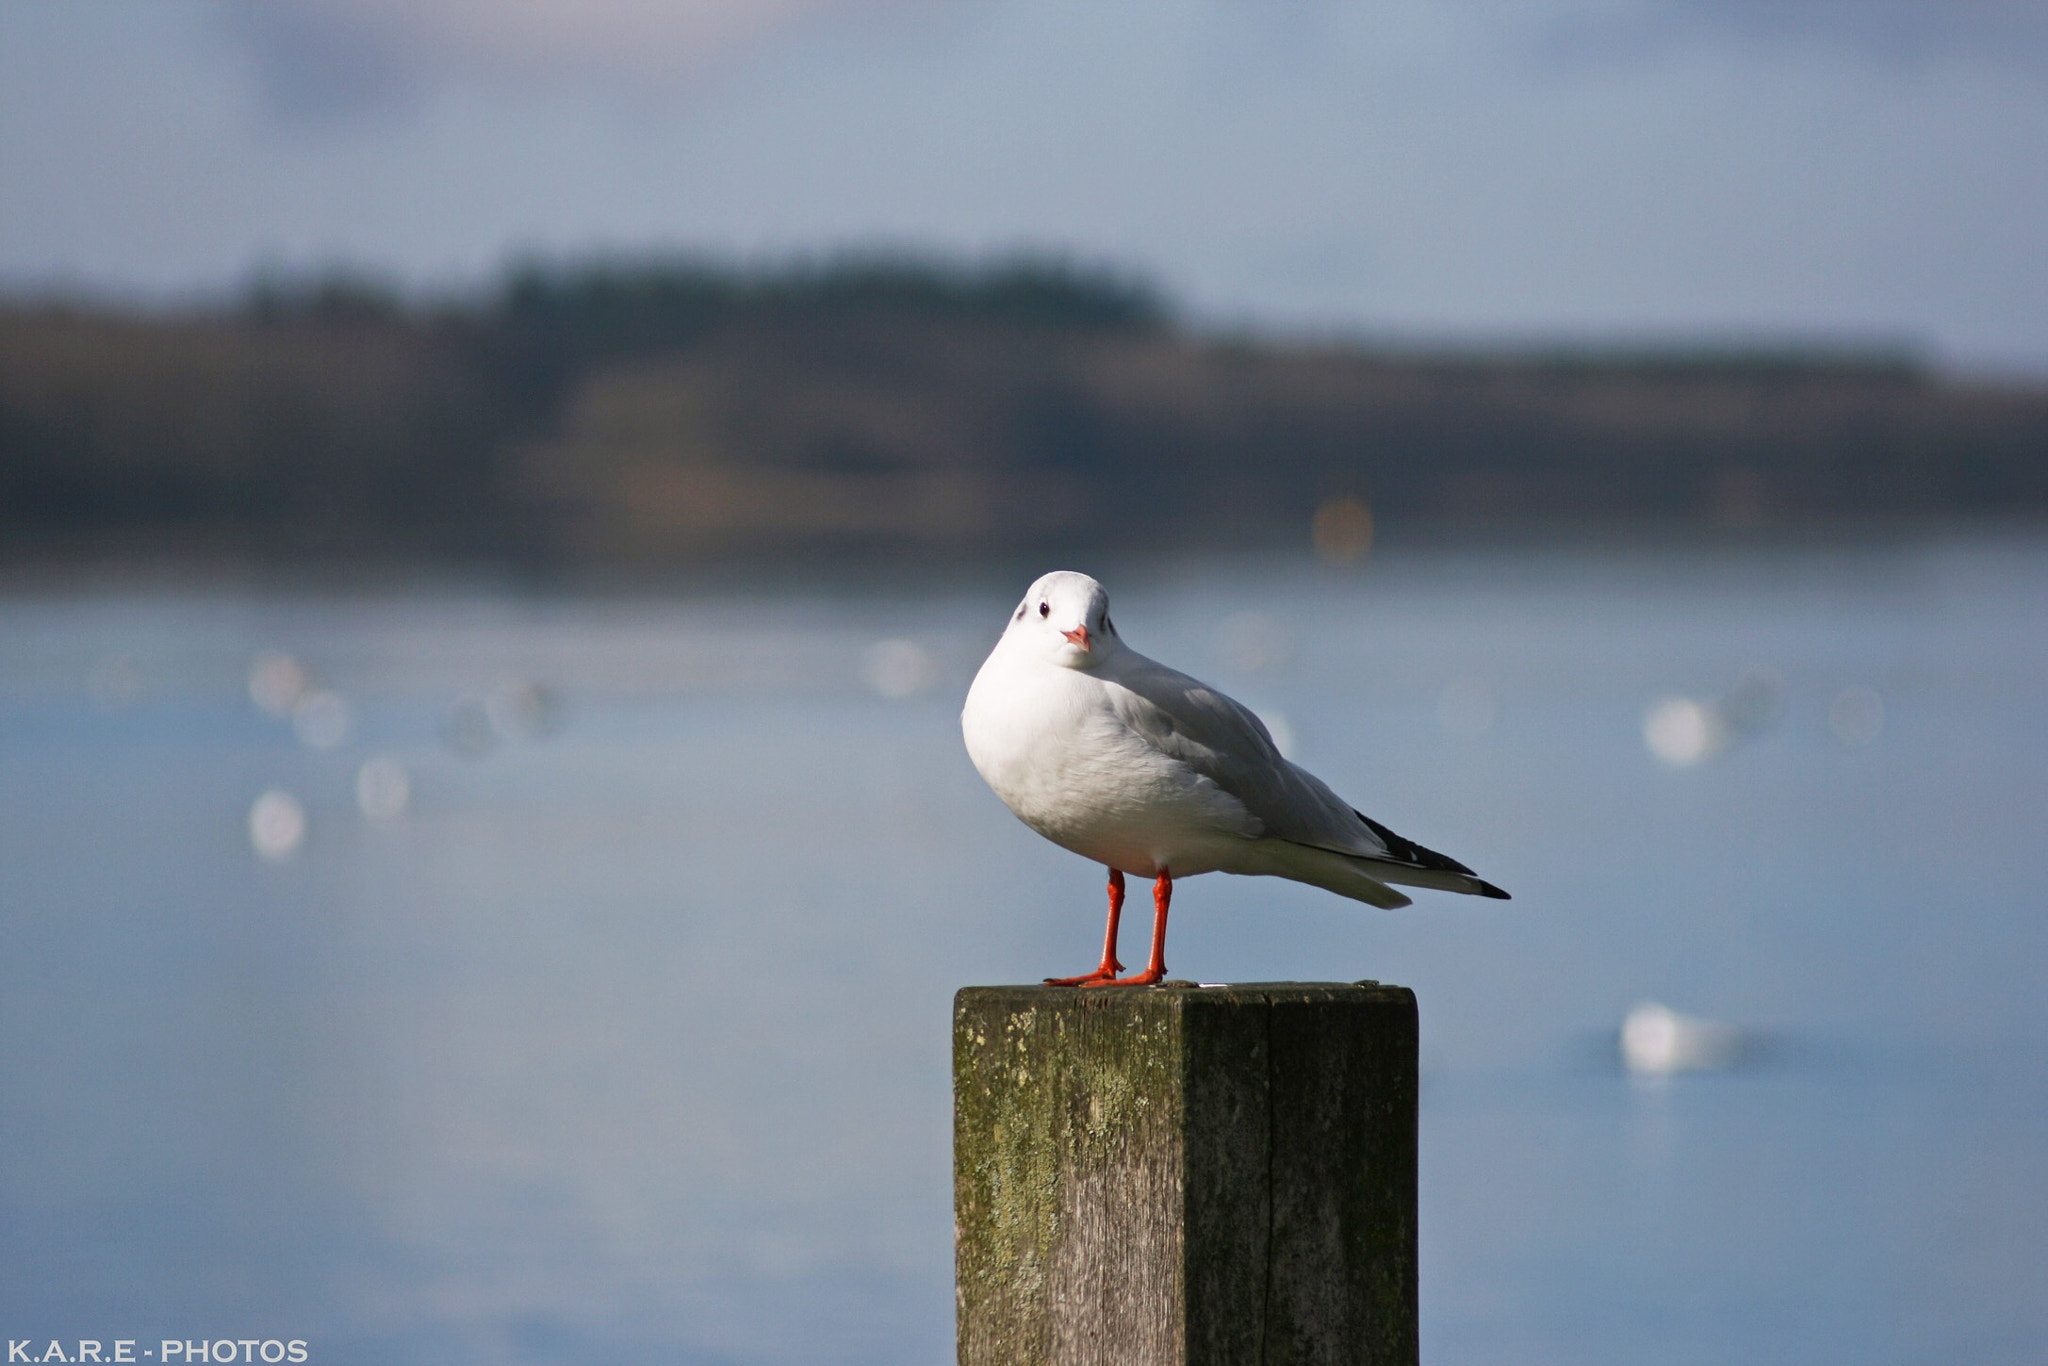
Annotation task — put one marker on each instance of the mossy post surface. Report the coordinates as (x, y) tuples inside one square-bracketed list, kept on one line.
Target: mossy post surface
[(1213, 1175)]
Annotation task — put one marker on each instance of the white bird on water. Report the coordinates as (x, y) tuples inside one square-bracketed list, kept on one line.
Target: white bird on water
[(1151, 772)]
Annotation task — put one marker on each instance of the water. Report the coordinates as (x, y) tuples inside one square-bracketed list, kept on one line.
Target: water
[(620, 1034)]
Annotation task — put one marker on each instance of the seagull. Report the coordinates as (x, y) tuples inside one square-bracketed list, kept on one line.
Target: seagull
[(1150, 772)]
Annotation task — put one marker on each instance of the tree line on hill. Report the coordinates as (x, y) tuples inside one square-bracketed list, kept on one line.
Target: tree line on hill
[(656, 413)]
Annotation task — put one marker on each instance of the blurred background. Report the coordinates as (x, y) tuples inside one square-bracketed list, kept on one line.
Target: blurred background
[(500, 504)]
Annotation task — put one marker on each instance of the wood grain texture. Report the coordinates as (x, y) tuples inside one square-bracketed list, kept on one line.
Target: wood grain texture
[(1174, 1176)]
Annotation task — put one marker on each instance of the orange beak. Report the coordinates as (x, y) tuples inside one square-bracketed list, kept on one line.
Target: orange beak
[(1079, 635)]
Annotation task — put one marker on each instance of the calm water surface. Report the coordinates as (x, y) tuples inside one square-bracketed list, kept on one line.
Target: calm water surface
[(621, 1034)]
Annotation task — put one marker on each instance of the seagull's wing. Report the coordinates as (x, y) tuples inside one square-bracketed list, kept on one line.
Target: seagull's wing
[(1221, 739)]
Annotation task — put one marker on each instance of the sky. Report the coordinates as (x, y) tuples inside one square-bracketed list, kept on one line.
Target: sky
[(1464, 171)]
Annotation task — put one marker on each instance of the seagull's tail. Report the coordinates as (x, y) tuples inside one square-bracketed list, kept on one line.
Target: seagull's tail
[(1333, 872), (1437, 879)]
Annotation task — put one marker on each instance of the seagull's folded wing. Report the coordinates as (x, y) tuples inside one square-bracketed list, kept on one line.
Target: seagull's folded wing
[(1222, 740)]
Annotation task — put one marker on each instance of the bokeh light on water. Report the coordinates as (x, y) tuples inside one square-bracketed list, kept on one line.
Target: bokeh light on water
[(277, 825), (322, 719), (277, 682), (1657, 1041), (1683, 731), (383, 788), (898, 668)]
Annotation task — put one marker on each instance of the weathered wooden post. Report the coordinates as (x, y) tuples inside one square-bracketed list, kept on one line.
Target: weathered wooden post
[(1201, 1176)]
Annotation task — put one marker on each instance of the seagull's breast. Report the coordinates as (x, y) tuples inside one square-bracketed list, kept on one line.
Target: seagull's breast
[(1051, 745)]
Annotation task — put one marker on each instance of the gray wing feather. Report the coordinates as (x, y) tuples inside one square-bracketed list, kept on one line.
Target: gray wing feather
[(1223, 741)]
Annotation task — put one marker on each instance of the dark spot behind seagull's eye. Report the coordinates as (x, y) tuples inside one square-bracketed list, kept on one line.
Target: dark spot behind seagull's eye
[(1045, 609)]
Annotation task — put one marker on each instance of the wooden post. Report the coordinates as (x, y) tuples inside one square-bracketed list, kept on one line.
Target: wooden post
[(1185, 1176)]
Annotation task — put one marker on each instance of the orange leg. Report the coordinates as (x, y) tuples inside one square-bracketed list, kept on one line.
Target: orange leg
[(1155, 969), (1110, 966)]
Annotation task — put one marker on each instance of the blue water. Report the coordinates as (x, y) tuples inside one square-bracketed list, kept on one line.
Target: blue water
[(627, 1040)]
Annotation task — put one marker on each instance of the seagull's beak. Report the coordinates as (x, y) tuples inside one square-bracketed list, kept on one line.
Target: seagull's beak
[(1079, 635)]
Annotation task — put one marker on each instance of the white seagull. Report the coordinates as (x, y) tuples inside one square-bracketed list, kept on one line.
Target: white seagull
[(1144, 769)]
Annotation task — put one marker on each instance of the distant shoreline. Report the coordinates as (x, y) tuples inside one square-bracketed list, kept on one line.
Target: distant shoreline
[(644, 419)]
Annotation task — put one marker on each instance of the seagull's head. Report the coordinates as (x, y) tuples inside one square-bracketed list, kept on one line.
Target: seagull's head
[(1064, 620)]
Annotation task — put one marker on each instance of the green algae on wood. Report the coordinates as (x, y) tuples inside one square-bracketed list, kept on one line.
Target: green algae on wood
[(1185, 1175)]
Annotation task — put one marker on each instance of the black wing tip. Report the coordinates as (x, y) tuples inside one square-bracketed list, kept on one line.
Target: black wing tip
[(1409, 852)]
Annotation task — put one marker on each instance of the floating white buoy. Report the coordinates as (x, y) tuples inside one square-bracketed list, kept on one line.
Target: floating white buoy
[(1657, 1041), (1681, 732), (277, 825)]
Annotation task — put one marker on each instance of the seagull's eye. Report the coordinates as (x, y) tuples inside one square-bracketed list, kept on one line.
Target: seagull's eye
[(1045, 609)]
